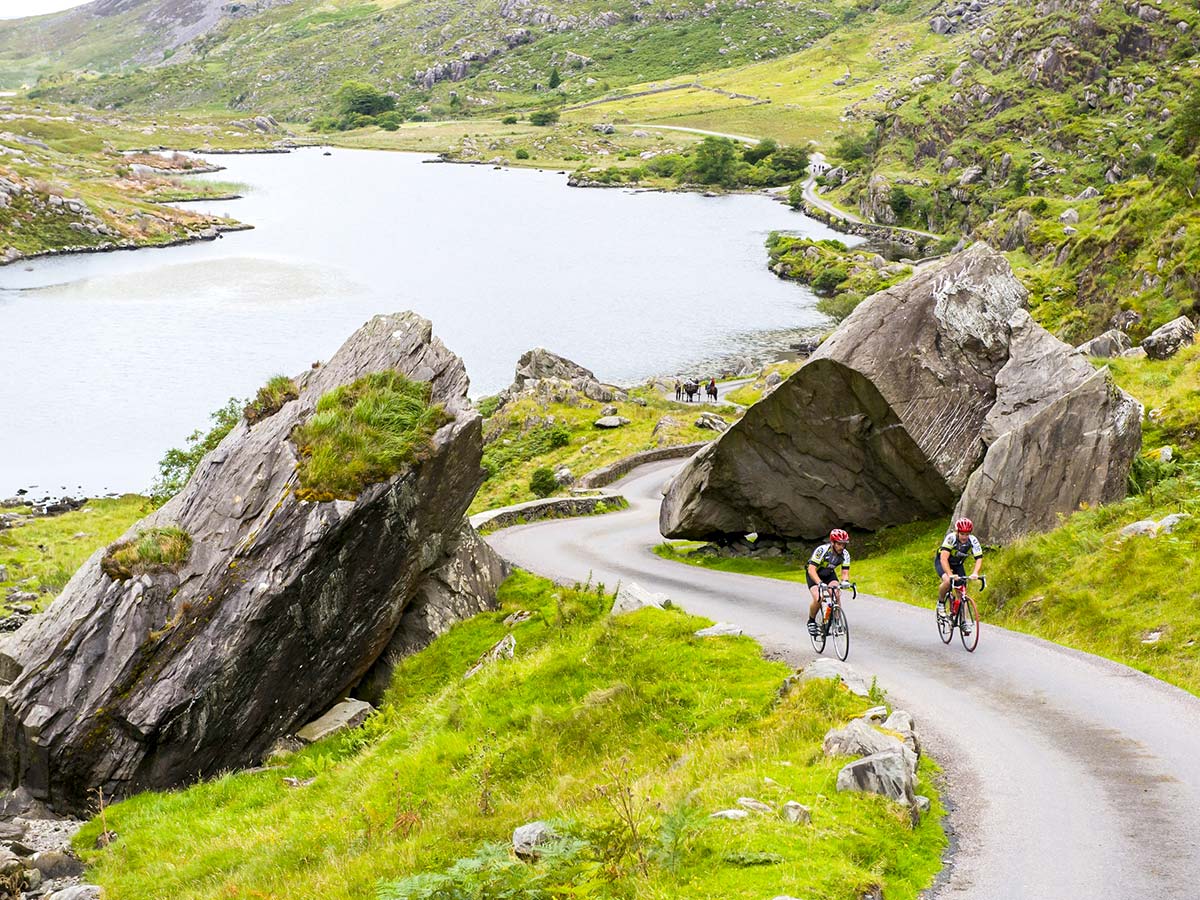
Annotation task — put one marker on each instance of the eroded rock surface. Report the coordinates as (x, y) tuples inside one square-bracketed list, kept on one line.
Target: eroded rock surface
[(280, 609), (892, 417)]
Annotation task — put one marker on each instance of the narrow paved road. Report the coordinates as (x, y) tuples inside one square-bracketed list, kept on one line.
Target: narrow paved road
[(1069, 776)]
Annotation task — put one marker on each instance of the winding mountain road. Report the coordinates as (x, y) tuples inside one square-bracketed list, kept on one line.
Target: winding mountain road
[(1068, 776)]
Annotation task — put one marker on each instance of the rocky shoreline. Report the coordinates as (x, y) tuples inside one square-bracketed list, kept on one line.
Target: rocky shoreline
[(208, 233)]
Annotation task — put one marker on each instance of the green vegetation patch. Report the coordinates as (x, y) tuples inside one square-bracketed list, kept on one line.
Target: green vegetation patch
[(270, 399), (41, 555), (840, 276), (613, 729), (178, 463), (151, 550), (363, 433)]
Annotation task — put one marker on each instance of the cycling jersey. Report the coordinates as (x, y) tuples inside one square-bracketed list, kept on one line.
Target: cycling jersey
[(960, 550), (825, 557)]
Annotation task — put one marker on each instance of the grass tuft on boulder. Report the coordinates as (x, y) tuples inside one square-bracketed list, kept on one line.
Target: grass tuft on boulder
[(150, 550), (270, 399), (364, 433)]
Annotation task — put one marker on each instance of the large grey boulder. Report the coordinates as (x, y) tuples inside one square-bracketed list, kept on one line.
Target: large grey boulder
[(1076, 449), (539, 368), (280, 609), (891, 418), (880, 426), (886, 773), (1109, 344), (857, 738), (1166, 341)]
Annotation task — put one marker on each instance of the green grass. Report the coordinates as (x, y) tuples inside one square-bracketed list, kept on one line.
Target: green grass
[(363, 433), (270, 398), (150, 550), (590, 706), (42, 555), (520, 439)]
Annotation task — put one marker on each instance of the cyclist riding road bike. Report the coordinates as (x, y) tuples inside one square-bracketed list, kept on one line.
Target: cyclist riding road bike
[(951, 557), (822, 569)]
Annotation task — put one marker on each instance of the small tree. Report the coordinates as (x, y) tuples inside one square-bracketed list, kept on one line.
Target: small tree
[(543, 117), (900, 202), (714, 161), (555, 78), (358, 97), (796, 195), (1187, 124), (790, 163), (760, 151), (542, 483)]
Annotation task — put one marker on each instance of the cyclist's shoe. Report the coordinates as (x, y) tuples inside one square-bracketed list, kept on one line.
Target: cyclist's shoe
[(941, 607), (964, 626), (812, 627)]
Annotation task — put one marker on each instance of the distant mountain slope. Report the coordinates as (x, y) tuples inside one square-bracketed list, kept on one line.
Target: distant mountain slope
[(110, 35), (475, 55)]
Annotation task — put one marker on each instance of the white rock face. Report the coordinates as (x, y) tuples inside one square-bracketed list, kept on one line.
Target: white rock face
[(341, 717), (633, 597)]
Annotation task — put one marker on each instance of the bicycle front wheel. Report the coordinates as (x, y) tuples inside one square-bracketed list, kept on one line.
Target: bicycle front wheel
[(839, 627), (945, 623), (818, 639), (968, 624)]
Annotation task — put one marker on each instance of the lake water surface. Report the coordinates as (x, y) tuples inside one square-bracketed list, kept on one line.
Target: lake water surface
[(112, 358)]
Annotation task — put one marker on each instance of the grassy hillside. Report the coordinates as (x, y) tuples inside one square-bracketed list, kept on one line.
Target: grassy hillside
[(290, 59), (64, 181), (1084, 584), (613, 729)]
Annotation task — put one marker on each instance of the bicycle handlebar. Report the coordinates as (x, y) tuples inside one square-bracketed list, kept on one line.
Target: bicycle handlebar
[(963, 579)]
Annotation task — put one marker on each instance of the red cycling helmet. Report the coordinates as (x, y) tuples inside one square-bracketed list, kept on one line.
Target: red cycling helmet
[(966, 526), (840, 536)]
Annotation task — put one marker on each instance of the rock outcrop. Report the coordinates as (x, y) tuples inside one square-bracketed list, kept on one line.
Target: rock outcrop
[(281, 607), (1111, 343), (1165, 342), (539, 369), (891, 418)]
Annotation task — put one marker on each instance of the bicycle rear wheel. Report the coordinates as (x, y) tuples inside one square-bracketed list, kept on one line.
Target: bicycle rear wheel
[(945, 623), (968, 624), (840, 628)]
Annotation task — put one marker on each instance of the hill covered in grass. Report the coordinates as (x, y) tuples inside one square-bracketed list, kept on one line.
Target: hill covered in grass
[(610, 728)]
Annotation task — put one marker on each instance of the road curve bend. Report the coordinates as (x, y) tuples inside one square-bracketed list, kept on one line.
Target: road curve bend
[(1068, 776)]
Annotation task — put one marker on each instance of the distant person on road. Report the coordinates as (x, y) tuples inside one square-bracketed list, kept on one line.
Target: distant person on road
[(822, 569), (678, 390), (951, 556)]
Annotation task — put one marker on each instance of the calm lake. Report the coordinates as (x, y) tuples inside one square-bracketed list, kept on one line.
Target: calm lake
[(114, 357)]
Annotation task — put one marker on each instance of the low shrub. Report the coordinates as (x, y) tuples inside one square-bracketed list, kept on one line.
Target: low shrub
[(542, 482), (150, 550), (363, 433), (522, 153)]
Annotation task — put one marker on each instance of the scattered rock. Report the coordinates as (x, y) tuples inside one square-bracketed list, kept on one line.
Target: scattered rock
[(610, 422), (1166, 525), (832, 668), (712, 421), (923, 804), (902, 724), (887, 773), (633, 597), (797, 813), (1166, 341), (1088, 193), (755, 805), (721, 629), (342, 716), (1109, 344), (1069, 217), (730, 814), (1145, 527), (78, 892), (857, 738), (527, 839), (502, 649), (604, 128), (57, 864)]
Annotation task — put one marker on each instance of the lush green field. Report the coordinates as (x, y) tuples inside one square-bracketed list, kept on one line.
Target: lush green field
[(612, 728), (47, 551)]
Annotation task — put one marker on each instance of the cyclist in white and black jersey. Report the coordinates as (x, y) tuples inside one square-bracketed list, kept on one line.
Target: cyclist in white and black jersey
[(952, 555), (822, 569)]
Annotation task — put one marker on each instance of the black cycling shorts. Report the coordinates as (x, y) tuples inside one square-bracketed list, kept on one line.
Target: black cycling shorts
[(827, 576), (956, 566)]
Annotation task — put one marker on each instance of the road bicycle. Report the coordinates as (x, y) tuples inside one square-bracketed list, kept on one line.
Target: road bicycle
[(960, 613), (831, 619)]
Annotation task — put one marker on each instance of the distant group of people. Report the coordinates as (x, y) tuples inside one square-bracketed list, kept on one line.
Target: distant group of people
[(691, 388)]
